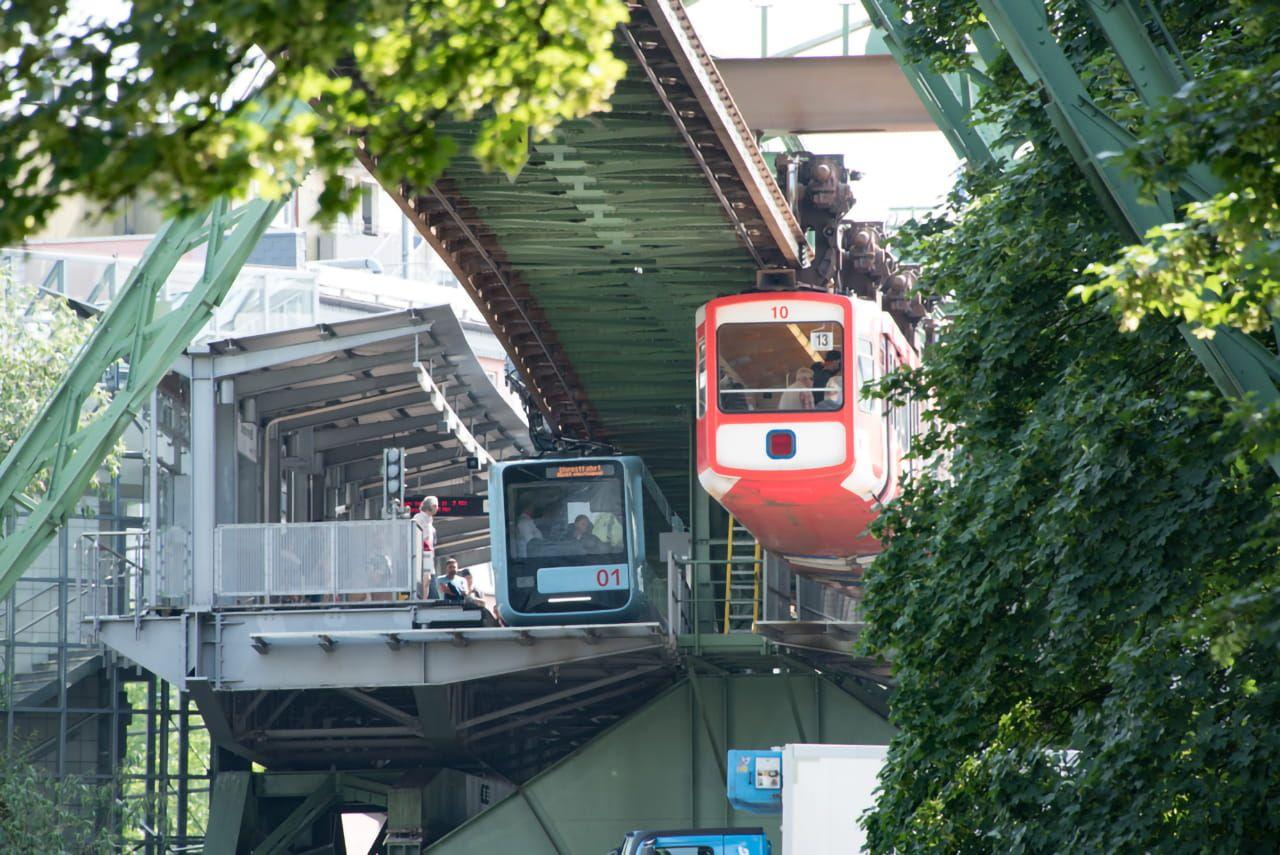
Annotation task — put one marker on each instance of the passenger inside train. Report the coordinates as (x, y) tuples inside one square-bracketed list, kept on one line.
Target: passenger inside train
[(573, 537), (558, 518), (788, 367)]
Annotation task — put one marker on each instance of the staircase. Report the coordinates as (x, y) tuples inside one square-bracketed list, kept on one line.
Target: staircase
[(39, 685), (35, 669), (744, 562)]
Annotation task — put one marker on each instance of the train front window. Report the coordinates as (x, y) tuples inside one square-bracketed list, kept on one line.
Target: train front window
[(566, 536), (784, 367)]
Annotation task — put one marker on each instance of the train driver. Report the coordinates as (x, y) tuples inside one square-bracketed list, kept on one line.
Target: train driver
[(526, 529), (584, 542)]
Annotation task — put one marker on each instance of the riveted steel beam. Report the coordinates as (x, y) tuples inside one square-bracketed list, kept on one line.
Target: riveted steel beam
[(939, 98)]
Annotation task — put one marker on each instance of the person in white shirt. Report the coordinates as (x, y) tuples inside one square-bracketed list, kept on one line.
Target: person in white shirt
[(526, 530), (424, 521), (799, 395), (833, 397), (607, 526)]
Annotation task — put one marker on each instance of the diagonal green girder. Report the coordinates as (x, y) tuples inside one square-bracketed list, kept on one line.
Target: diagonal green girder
[(128, 329), (1238, 365), (934, 91)]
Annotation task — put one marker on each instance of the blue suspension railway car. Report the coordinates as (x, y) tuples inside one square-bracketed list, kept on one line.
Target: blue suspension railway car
[(575, 540)]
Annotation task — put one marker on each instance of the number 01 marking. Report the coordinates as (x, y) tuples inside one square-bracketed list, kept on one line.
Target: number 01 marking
[(603, 577), (781, 312)]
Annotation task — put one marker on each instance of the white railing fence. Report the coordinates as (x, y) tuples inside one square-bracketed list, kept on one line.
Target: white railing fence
[(302, 562)]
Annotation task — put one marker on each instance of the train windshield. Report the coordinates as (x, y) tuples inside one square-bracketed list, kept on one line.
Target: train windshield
[(786, 367), (565, 524)]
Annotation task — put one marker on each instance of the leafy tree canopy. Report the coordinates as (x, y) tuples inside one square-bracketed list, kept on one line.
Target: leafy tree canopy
[(1083, 611), (168, 99), (39, 336), (41, 813)]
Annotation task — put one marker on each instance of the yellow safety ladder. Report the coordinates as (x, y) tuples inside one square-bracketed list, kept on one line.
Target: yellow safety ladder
[(741, 581)]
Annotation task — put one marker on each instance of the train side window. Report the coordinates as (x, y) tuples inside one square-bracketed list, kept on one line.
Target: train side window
[(780, 366), (866, 375), (655, 523), (702, 377)]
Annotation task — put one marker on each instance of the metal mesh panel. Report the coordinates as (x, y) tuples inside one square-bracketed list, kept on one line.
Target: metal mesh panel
[(174, 571), (821, 602), (373, 557), (328, 561), (240, 561), (302, 560)]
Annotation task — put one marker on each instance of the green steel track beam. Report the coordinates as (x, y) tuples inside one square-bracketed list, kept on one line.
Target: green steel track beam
[(132, 329), (949, 113), (1089, 134), (320, 801), (1238, 365)]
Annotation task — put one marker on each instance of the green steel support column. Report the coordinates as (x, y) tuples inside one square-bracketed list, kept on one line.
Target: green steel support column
[(1155, 70), (939, 99), (129, 328), (228, 804), (1023, 28), (1238, 365), (1157, 73), (321, 800)]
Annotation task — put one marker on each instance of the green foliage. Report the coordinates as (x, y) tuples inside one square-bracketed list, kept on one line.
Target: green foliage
[(1221, 264), (157, 101), (1083, 611), (133, 775), (39, 336), (41, 813)]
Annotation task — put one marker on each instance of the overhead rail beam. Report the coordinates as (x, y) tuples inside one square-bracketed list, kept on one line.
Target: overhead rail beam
[(731, 129), (874, 93)]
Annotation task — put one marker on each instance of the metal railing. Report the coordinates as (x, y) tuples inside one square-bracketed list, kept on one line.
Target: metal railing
[(112, 576), (282, 563), (696, 606), (700, 593)]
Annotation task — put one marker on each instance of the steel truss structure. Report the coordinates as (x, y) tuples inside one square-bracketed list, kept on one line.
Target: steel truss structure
[(133, 329), (1239, 365)]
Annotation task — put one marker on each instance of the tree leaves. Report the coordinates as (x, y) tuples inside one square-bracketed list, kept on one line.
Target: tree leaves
[(1082, 606), (163, 100)]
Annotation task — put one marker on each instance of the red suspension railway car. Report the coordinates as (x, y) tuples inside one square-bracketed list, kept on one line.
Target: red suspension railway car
[(785, 442)]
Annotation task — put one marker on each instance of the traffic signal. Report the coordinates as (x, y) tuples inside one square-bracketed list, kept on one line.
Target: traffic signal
[(392, 481)]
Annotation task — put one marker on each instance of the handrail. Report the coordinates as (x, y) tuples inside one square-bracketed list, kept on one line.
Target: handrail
[(128, 577), (48, 613)]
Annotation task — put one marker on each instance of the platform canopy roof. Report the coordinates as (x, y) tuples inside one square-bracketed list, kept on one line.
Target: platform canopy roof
[(348, 390)]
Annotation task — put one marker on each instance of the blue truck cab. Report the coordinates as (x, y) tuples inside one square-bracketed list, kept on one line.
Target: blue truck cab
[(702, 841)]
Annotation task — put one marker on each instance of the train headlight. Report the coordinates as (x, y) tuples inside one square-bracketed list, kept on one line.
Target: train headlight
[(780, 444)]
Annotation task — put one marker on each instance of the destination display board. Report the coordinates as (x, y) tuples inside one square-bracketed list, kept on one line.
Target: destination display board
[(581, 470), (453, 506)]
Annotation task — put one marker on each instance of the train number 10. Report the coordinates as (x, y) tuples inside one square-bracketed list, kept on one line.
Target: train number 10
[(604, 577), (781, 312)]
